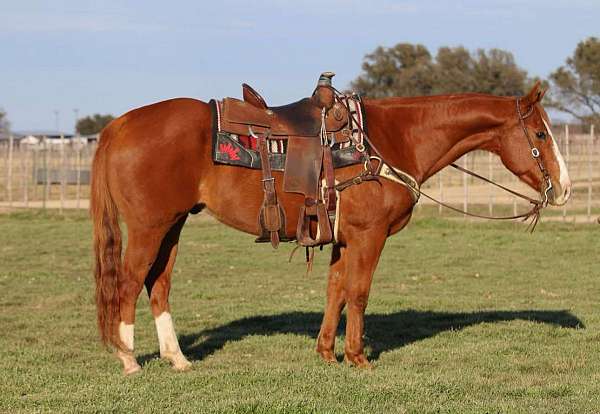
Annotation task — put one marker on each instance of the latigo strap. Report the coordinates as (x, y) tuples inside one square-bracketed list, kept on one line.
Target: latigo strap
[(270, 216)]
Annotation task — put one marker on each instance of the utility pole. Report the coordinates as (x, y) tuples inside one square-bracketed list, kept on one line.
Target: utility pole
[(76, 112), (78, 147), (56, 120)]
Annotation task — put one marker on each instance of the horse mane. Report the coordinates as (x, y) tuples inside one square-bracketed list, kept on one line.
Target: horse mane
[(433, 99)]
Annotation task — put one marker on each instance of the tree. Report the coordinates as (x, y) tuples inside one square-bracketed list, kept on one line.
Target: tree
[(409, 70), (497, 73), (576, 86), (4, 124), (91, 125), (402, 70)]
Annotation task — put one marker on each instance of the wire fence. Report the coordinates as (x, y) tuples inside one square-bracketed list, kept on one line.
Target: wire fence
[(55, 174)]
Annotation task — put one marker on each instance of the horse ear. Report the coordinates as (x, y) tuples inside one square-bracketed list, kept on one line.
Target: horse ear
[(542, 93), (535, 95)]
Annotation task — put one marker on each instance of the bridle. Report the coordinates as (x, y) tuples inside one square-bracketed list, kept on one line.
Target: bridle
[(535, 153), (371, 173)]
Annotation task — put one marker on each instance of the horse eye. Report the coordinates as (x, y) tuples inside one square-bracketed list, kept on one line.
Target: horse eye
[(541, 135)]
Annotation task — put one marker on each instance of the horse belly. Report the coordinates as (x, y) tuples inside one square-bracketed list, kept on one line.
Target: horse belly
[(234, 196)]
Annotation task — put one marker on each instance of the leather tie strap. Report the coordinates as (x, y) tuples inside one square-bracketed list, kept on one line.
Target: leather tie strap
[(330, 196), (270, 213)]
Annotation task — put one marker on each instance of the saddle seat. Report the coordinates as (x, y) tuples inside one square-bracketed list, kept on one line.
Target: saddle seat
[(302, 118)]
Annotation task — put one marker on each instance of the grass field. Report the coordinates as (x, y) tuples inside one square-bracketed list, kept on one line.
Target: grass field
[(463, 317)]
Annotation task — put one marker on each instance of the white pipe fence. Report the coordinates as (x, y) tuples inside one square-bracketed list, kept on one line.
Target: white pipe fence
[(50, 174), (56, 174)]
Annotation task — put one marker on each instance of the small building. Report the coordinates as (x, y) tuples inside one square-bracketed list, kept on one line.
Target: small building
[(54, 138)]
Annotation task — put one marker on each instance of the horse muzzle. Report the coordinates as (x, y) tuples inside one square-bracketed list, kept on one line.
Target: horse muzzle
[(560, 197)]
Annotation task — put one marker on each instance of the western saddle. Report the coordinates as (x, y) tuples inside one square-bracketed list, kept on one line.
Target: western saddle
[(310, 127)]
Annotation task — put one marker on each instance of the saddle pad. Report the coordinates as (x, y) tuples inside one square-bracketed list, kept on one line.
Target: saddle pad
[(241, 150)]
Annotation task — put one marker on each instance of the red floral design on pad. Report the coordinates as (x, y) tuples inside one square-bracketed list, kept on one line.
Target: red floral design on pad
[(232, 153)]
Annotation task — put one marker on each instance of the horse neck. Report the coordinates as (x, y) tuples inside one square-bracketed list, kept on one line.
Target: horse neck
[(423, 135)]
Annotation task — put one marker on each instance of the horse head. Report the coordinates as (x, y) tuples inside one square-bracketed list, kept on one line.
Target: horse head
[(528, 149)]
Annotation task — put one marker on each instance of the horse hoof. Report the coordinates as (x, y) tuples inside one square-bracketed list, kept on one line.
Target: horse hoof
[(358, 361), (328, 356), (131, 370), (178, 362), (182, 366)]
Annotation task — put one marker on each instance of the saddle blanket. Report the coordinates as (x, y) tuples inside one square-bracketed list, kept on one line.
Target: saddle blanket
[(242, 150)]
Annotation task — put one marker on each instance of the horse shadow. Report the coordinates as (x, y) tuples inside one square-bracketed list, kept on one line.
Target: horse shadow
[(384, 332)]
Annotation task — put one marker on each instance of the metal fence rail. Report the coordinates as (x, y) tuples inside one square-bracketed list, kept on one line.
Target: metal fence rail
[(57, 175)]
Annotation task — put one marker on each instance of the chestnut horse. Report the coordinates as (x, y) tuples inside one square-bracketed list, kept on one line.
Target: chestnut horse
[(153, 167)]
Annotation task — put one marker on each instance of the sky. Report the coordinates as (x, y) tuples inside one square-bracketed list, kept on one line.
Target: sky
[(112, 56)]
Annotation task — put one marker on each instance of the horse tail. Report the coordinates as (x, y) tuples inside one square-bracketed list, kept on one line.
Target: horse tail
[(107, 245)]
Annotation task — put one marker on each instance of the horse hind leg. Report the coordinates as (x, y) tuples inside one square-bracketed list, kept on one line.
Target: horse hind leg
[(158, 285), (142, 248)]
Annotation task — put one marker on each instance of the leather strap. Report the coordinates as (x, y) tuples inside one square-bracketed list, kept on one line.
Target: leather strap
[(271, 218), (330, 196)]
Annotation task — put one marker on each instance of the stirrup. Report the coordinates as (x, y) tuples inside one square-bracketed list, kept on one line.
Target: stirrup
[(324, 233)]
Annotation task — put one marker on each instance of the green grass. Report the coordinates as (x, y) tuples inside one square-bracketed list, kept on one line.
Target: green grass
[(463, 317)]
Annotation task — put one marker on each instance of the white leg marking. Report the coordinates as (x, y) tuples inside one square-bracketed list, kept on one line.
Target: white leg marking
[(167, 342), (564, 180), (130, 365), (126, 334)]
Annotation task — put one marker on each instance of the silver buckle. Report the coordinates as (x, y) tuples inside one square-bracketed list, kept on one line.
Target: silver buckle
[(535, 152)]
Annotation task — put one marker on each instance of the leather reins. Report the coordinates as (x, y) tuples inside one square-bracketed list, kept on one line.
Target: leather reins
[(370, 173)]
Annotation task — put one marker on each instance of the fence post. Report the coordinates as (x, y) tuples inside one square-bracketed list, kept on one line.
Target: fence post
[(46, 174), (590, 156), (490, 189), (78, 160), (564, 209), (516, 181), (25, 172), (465, 186), (441, 185), (10, 168), (62, 173), (35, 171)]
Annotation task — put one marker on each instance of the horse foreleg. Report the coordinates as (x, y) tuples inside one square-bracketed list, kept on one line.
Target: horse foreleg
[(334, 306), (362, 256), (158, 285)]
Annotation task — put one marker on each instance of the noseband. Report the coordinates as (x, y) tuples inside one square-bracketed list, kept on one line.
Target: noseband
[(535, 153)]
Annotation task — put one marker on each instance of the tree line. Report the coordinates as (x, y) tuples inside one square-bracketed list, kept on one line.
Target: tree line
[(88, 125), (410, 70)]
